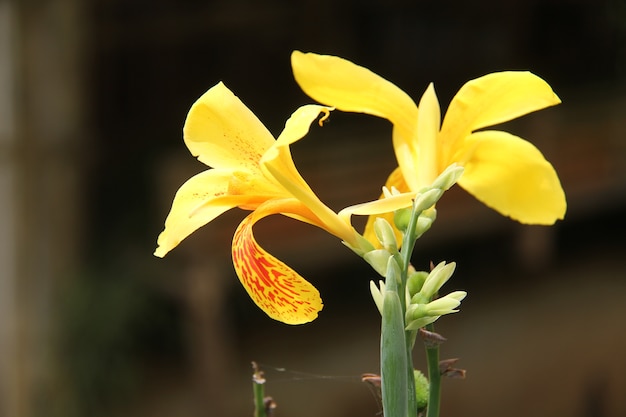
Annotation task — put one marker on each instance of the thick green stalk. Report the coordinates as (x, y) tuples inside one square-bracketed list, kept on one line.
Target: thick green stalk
[(434, 376), (408, 244), (394, 379)]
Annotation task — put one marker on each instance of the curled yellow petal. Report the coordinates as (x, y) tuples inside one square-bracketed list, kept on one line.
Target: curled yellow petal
[(491, 99), (223, 133), (339, 83), (511, 176), (277, 289), (299, 123)]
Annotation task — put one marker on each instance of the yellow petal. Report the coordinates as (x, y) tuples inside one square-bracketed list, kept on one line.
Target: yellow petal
[(199, 190), (277, 289), (511, 176), (339, 83), (278, 164), (298, 125), (428, 123), (223, 133), (383, 205), (492, 99), (278, 156)]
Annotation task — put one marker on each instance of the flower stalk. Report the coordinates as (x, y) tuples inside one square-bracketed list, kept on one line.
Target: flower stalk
[(434, 376), (407, 302), (258, 388)]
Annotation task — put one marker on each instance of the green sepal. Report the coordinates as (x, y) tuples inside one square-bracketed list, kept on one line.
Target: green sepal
[(378, 259)]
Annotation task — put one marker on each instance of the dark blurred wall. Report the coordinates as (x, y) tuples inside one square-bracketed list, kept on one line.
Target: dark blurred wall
[(129, 334)]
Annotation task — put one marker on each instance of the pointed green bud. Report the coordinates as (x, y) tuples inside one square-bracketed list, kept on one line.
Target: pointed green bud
[(427, 199), (377, 294), (393, 277), (445, 305), (437, 277), (415, 281), (385, 234), (448, 177), (424, 221), (420, 314), (458, 295), (422, 387), (378, 259)]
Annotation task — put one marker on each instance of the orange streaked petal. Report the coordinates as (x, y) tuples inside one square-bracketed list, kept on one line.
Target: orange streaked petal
[(223, 133), (277, 289)]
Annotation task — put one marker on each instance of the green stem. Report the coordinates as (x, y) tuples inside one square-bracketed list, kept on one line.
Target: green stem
[(434, 376), (258, 388), (412, 400), (408, 244), (393, 360)]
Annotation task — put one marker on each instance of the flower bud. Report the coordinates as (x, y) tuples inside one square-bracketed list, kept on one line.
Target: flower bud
[(377, 294), (385, 234), (422, 387), (445, 305), (402, 218), (424, 221), (415, 281), (437, 277), (420, 314), (448, 177), (427, 199)]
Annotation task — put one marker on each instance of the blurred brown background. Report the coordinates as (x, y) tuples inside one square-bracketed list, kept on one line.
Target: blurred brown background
[(93, 95)]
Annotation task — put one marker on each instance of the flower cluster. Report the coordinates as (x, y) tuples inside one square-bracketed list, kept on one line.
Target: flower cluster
[(251, 169)]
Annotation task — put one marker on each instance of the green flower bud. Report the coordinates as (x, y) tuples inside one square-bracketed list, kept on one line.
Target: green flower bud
[(427, 199), (422, 388), (445, 305), (424, 221), (437, 277), (402, 217), (420, 314), (393, 276), (377, 294), (448, 177), (415, 281), (385, 234)]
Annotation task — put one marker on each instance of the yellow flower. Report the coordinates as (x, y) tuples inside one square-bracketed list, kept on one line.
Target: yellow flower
[(254, 171), (501, 170)]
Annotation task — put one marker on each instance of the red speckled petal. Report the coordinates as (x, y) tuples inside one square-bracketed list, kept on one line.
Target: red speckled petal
[(277, 289)]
